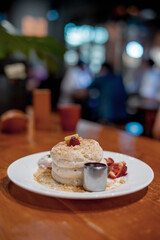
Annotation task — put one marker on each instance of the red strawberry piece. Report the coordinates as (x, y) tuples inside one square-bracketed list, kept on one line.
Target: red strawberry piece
[(109, 161), (74, 141), (118, 170)]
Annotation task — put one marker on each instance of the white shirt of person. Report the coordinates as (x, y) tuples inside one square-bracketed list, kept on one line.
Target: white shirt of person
[(150, 84), (74, 79)]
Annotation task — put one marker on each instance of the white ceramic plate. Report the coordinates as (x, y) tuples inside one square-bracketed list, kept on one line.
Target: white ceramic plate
[(139, 176)]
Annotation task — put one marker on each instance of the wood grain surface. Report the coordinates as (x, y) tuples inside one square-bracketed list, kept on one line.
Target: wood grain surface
[(25, 215)]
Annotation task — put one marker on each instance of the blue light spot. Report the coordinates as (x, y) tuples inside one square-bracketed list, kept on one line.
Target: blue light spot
[(2, 17), (101, 35), (78, 35), (134, 128), (52, 15), (134, 49)]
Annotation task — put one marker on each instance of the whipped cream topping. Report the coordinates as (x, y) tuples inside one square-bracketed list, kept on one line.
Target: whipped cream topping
[(45, 162)]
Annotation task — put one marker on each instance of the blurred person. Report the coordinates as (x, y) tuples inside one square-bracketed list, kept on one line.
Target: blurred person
[(133, 82), (112, 96), (74, 83), (150, 83)]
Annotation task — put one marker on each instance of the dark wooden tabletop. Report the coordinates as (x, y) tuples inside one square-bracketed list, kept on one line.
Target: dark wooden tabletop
[(25, 215)]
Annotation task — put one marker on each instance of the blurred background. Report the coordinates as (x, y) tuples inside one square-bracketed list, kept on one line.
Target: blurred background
[(104, 55)]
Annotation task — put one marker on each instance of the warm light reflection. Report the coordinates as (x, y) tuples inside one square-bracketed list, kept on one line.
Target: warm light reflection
[(15, 71), (126, 143), (133, 10), (34, 26)]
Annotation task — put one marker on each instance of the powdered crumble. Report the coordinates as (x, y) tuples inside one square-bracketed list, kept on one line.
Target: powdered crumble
[(44, 177)]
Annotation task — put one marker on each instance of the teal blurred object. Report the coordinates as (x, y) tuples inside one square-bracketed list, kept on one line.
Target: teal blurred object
[(134, 128), (52, 15)]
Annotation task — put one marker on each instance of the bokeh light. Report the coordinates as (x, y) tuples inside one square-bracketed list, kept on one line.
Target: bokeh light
[(134, 49), (52, 15), (71, 57), (101, 35), (78, 35), (134, 128)]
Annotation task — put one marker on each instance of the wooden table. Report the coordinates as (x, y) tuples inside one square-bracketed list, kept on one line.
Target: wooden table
[(146, 110), (25, 215)]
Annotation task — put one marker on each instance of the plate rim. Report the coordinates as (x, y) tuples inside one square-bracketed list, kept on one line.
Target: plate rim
[(78, 195)]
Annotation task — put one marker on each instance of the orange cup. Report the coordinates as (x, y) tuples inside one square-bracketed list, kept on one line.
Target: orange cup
[(42, 108), (70, 114)]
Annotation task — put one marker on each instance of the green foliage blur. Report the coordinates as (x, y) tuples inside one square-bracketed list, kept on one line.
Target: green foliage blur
[(47, 48)]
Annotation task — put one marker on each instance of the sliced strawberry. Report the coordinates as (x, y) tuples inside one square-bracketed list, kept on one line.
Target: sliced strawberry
[(124, 170), (118, 170), (112, 175), (109, 161)]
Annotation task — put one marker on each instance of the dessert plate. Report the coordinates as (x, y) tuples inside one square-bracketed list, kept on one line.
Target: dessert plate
[(139, 176)]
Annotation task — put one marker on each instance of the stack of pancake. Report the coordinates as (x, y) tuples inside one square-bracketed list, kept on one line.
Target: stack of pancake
[(68, 161)]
